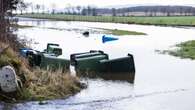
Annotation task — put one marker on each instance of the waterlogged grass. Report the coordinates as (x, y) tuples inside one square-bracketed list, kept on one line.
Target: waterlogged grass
[(21, 26), (122, 32), (107, 31), (184, 50), (168, 21), (24, 26)]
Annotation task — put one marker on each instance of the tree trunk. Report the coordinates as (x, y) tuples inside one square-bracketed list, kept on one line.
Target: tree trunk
[(2, 20)]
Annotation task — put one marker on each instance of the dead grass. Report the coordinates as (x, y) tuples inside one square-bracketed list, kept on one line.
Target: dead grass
[(43, 84), (10, 57)]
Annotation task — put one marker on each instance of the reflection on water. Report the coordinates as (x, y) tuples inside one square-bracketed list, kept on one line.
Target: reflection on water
[(162, 82), (129, 77)]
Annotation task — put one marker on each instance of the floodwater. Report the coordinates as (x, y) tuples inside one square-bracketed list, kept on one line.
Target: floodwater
[(162, 82)]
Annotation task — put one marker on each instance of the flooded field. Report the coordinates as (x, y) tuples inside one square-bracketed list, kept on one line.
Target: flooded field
[(162, 82)]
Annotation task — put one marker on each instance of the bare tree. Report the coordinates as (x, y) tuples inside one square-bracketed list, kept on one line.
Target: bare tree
[(37, 7), (43, 9), (84, 11), (73, 10), (94, 12), (53, 5), (113, 12), (89, 10), (22, 6), (78, 9), (32, 8)]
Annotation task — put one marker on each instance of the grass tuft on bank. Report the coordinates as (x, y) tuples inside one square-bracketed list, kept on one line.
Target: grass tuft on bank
[(184, 50)]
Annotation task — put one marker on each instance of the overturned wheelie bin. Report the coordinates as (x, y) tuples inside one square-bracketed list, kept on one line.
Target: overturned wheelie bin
[(97, 64), (88, 62), (50, 59), (54, 63)]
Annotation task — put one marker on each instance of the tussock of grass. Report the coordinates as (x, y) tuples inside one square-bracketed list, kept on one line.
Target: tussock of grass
[(49, 85), (9, 57), (184, 50)]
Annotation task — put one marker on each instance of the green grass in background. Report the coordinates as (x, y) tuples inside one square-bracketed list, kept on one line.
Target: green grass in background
[(169, 21)]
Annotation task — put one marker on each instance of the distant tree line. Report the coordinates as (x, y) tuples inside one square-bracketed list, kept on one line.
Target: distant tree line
[(149, 11), (135, 11), (141, 11), (94, 11)]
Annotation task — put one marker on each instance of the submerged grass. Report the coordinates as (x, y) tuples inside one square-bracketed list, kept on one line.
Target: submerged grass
[(122, 32), (21, 26), (184, 50)]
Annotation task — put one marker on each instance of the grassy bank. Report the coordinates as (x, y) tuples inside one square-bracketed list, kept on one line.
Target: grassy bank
[(168, 21), (183, 50), (37, 84)]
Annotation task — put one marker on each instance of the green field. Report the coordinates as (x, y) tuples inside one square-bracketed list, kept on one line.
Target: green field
[(167, 21)]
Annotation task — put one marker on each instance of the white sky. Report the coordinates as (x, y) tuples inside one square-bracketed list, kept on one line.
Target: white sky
[(103, 3)]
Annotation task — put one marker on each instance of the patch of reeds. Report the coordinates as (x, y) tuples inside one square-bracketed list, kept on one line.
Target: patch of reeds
[(42, 84)]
